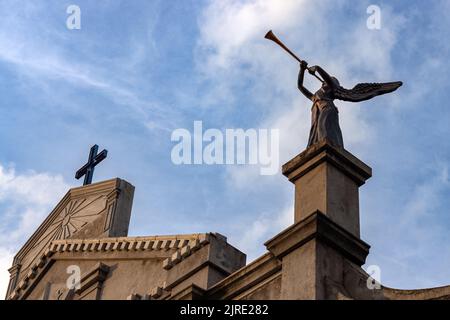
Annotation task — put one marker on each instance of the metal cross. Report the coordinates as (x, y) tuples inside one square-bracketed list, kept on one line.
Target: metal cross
[(88, 169)]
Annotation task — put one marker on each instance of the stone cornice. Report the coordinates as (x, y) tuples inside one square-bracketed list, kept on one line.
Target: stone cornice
[(246, 277), (354, 168), (319, 226), (127, 243), (178, 242)]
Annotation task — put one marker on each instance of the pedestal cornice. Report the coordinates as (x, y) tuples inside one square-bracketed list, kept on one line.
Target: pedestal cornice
[(319, 227), (321, 152)]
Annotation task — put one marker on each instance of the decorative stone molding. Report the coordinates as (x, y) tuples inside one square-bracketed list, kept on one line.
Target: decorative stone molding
[(32, 276), (319, 226), (185, 251), (98, 210), (178, 242), (351, 166), (134, 296), (92, 281), (154, 294)]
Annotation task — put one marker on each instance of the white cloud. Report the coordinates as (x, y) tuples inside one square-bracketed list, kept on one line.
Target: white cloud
[(25, 199), (40, 63), (420, 255), (34, 48), (250, 239), (231, 49), (31, 187), (6, 258), (228, 27)]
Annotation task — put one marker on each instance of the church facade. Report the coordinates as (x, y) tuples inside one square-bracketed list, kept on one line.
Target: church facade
[(82, 249)]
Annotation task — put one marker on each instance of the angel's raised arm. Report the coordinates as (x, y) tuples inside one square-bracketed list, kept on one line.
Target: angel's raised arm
[(301, 76)]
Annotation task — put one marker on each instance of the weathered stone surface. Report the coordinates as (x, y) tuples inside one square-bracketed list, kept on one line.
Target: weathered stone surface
[(204, 267), (95, 211), (110, 272), (318, 247), (319, 226), (327, 179)]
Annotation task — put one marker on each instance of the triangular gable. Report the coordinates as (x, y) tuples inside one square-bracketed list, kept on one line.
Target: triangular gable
[(93, 211)]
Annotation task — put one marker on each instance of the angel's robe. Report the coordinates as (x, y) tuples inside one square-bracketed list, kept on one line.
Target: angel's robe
[(324, 120)]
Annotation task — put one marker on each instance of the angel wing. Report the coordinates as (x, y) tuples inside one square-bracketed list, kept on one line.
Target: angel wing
[(365, 91)]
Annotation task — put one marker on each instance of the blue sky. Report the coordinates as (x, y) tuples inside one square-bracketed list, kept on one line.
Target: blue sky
[(137, 70)]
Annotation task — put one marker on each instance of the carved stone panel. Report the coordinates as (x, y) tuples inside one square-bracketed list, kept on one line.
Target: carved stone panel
[(94, 211)]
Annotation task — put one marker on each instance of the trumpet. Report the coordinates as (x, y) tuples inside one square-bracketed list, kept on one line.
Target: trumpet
[(271, 36)]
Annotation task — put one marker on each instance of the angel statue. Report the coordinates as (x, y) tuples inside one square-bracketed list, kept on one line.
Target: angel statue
[(324, 118)]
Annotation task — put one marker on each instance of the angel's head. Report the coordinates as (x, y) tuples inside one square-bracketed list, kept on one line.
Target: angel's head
[(335, 84), (335, 81)]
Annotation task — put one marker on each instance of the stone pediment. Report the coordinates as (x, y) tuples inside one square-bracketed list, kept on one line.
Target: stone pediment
[(94, 211)]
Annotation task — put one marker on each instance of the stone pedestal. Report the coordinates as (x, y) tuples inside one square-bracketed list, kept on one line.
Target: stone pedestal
[(324, 244), (327, 179)]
